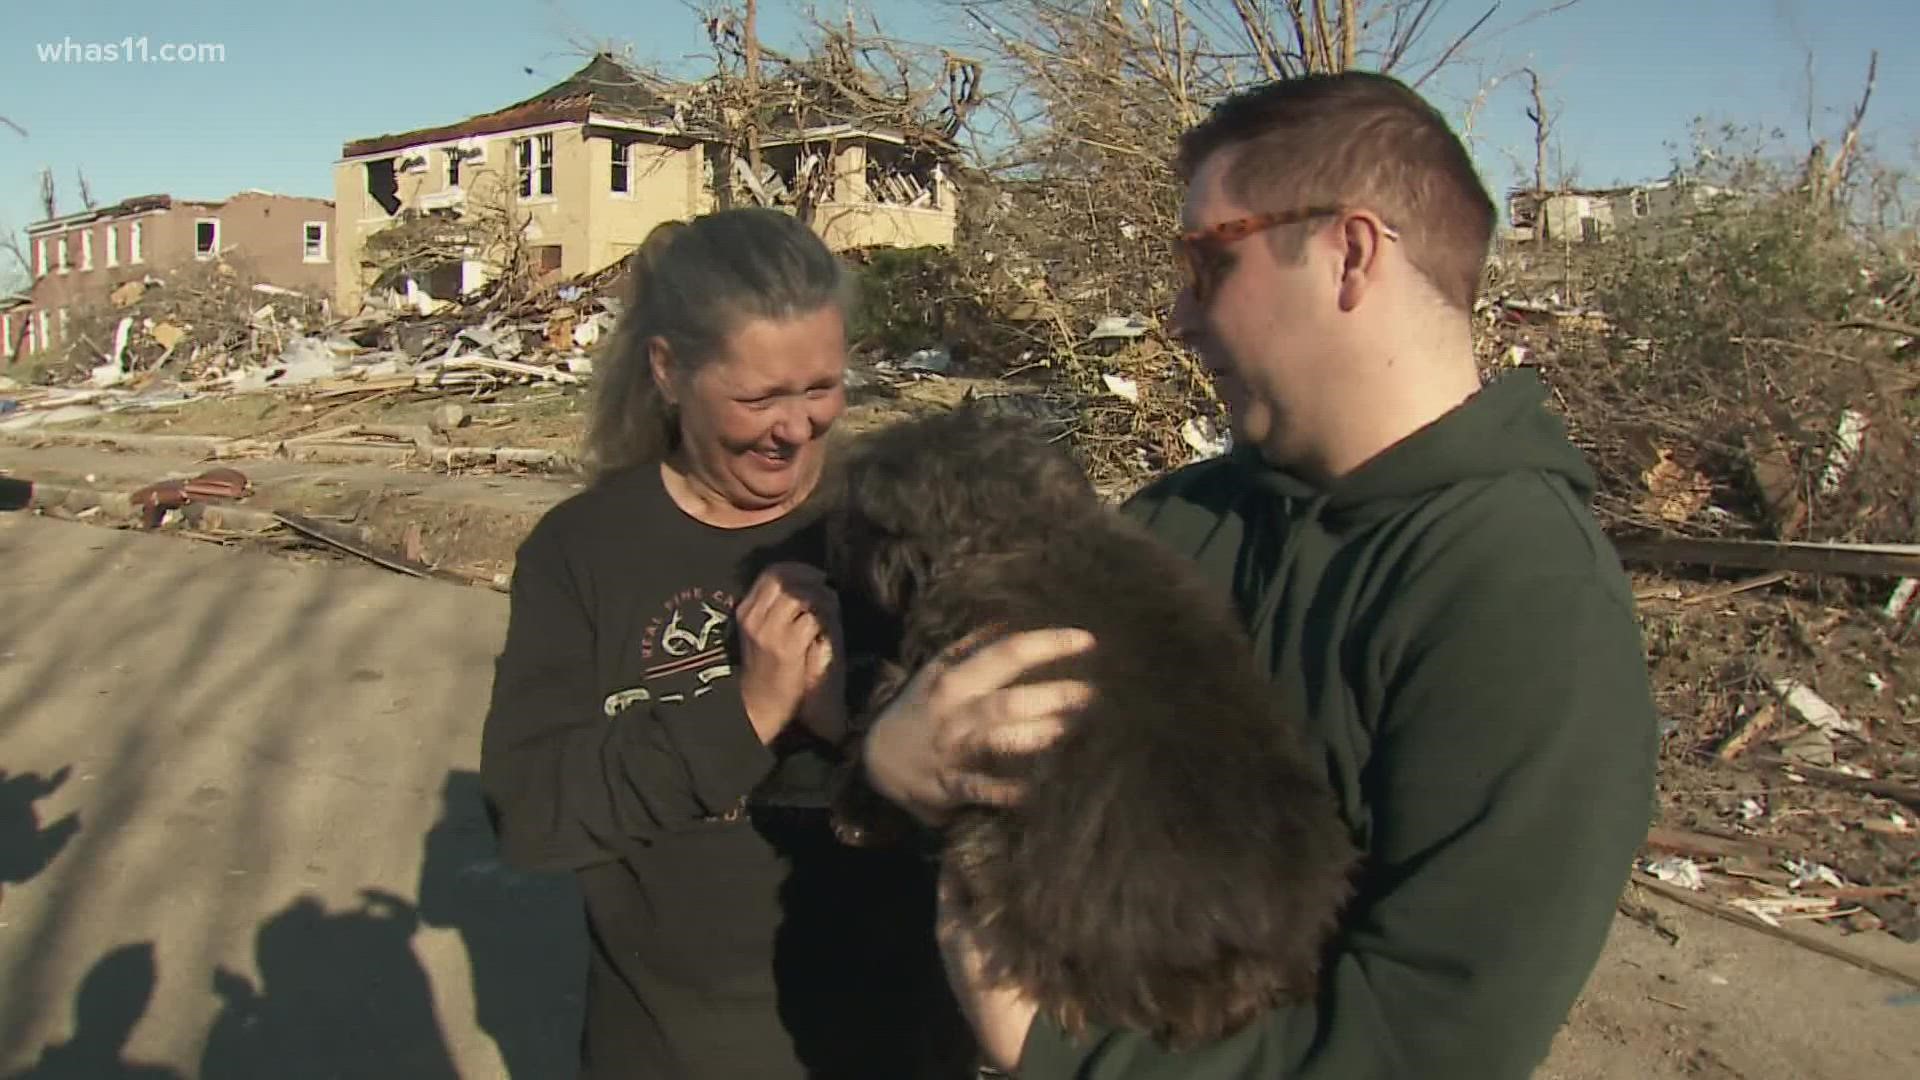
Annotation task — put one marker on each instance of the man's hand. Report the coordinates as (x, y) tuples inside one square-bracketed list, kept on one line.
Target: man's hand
[(921, 747), (782, 620)]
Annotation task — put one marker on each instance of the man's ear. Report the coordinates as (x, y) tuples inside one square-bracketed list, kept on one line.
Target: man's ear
[(1363, 240), (660, 360)]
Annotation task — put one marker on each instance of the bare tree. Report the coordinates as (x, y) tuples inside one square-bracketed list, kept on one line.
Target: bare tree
[(86, 190), (49, 199), (1082, 139), (1542, 119), (13, 246), (842, 77)]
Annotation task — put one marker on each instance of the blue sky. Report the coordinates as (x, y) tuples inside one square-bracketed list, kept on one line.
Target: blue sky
[(298, 81)]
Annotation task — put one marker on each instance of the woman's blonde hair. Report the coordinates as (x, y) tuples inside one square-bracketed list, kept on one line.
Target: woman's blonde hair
[(691, 284)]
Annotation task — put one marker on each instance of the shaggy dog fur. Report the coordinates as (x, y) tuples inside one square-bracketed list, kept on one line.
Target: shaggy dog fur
[(1178, 862)]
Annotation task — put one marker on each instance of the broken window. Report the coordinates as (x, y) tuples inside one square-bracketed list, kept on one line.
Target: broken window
[(546, 259), (536, 165), (313, 241), (383, 185), (113, 245), (901, 178), (443, 281), (453, 166), (622, 179), (206, 238), (86, 250), (788, 172), (61, 249), (133, 241)]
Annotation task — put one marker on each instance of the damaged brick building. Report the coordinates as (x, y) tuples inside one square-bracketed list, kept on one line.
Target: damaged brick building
[(79, 259)]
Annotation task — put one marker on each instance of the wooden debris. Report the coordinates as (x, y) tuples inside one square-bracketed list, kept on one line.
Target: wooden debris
[(511, 367), (1738, 917), (1751, 728), (1885, 789), (338, 538), (122, 507), (414, 544), (1707, 845), (1862, 560)]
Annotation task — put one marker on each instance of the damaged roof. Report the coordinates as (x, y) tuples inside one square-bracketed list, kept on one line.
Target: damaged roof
[(604, 87), (140, 204)]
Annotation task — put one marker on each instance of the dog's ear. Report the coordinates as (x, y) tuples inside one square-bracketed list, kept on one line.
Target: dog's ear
[(896, 571)]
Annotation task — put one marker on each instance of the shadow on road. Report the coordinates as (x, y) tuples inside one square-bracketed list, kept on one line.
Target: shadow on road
[(112, 999), (25, 847), (340, 994), (525, 936)]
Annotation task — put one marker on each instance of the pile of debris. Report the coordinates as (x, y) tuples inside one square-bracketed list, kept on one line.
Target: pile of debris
[(209, 333)]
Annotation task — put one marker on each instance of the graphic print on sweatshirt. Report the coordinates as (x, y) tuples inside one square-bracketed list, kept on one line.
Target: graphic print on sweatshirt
[(683, 650)]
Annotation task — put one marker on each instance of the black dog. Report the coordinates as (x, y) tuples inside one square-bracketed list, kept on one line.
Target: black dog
[(1178, 862)]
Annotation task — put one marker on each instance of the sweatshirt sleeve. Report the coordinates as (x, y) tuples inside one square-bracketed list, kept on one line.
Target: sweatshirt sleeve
[(1510, 783), (570, 787)]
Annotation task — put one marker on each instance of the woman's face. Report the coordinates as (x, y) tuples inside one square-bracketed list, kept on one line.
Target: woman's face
[(753, 418)]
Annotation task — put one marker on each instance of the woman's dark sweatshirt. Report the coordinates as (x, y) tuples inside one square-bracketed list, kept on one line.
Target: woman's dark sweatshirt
[(1458, 637), (724, 944)]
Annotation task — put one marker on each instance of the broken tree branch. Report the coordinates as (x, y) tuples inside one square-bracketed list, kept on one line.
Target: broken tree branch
[(1842, 165), (1885, 326)]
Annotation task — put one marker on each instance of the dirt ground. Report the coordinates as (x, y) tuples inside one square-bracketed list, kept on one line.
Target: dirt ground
[(1680, 994)]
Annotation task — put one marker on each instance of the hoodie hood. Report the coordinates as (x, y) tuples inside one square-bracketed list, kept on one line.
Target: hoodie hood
[(1504, 428)]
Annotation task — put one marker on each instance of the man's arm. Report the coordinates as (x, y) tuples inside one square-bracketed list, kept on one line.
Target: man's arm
[(1510, 785), (571, 787)]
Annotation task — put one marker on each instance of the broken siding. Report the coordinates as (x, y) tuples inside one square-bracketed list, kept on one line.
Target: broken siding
[(871, 224)]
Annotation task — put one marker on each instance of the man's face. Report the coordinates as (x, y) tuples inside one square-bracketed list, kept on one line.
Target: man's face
[(1263, 328)]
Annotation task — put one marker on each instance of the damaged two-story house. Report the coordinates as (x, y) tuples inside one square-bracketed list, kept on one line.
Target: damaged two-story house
[(1581, 215), (79, 259), (571, 180)]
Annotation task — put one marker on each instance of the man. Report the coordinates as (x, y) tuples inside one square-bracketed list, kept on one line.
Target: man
[(1415, 559)]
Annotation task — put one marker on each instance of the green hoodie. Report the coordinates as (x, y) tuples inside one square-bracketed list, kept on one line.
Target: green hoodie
[(1457, 635)]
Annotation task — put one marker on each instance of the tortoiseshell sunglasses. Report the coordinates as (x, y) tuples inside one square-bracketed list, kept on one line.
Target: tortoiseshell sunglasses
[(1201, 251)]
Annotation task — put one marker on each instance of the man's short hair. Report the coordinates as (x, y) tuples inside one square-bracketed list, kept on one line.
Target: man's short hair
[(1362, 140)]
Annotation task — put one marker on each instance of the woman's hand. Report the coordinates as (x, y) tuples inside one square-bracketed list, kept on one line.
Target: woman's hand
[(921, 747), (823, 708), (787, 615)]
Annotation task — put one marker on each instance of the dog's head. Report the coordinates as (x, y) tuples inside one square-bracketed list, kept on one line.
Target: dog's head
[(910, 498)]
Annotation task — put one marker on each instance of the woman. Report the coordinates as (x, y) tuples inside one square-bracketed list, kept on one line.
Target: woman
[(664, 719)]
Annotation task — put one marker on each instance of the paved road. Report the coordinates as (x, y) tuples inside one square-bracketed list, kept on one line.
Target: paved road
[(239, 826), (240, 838)]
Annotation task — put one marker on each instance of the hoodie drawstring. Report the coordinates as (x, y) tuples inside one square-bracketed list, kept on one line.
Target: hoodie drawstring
[(1277, 582)]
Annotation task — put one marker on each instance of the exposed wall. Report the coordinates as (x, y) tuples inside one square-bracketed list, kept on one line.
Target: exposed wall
[(263, 233), (664, 185), (845, 226), (266, 233)]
